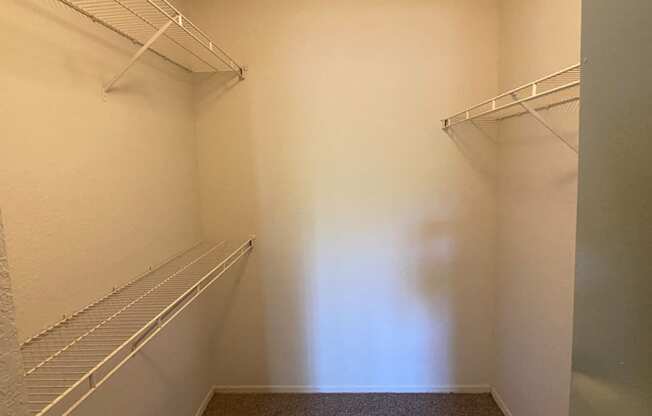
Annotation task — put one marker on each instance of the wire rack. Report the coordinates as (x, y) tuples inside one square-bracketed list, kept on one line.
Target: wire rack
[(182, 43), (70, 360), (557, 89)]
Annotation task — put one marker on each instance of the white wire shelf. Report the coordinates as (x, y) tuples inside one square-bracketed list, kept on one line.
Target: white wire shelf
[(158, 26), (70, 360), (559, 88)]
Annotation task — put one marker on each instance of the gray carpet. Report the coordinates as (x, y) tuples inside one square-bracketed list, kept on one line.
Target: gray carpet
[(352, 405)]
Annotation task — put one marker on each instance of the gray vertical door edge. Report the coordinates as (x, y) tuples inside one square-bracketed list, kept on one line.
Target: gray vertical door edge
[(612, 351)]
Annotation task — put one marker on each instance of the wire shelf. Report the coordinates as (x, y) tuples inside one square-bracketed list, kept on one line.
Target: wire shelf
[(69, 360), (557, 89), (182, 42)]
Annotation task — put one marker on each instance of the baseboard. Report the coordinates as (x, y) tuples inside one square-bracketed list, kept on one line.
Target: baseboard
[(204, 404), (500, 402), (354, 389)]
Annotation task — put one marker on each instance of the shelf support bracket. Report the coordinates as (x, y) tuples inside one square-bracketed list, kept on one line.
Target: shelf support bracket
[(544, 122), (138, 54)]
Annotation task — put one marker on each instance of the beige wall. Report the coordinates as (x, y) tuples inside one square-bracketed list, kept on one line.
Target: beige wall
[(537, 185), (374, 263), (94, 192), (613, 337), (12, 390)]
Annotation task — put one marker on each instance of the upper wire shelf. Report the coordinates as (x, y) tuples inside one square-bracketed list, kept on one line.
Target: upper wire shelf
[(555, 89), (181, 42), (559, 88)]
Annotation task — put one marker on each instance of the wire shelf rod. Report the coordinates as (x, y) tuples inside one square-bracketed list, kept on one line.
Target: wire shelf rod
[(45, 387), (153, 26), (113, 293), (119, 32), (144, 21), (180, 20), (564, 83), (509, 105), (117, 313), (540, 108), (156, 323), (522, 87)]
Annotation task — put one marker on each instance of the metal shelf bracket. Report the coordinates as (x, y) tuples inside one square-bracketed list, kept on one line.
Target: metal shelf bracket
[(543, 121), (136, 56)]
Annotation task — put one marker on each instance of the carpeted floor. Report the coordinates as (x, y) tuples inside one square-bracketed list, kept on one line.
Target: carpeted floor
[(352, 405)]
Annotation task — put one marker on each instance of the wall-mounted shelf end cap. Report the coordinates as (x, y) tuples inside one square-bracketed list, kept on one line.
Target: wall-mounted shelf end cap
[(242, 73)]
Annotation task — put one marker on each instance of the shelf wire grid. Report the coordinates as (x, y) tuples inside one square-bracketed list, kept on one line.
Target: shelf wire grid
[(559, 89), (62, 356), (183, 43)]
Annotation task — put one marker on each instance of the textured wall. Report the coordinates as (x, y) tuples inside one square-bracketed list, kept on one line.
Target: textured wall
[(12, 391), (93, 191), (612, 371), (374, 263), (537, 200)]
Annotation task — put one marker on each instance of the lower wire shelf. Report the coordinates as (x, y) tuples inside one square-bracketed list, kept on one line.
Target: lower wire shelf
[(68, 361)]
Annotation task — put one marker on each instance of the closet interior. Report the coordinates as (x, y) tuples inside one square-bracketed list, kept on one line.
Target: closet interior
[(307, 228)]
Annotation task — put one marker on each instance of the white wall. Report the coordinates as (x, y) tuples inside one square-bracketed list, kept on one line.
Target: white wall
[(12, 391), (93, 192), (374, 264), (537, 196), (613, 337)]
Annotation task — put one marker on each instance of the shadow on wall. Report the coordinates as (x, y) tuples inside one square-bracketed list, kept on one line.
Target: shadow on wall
[(477, 141), (527, 145), (457, 256), (373, 263), (241, 352), (354, 283), (212, 86)]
